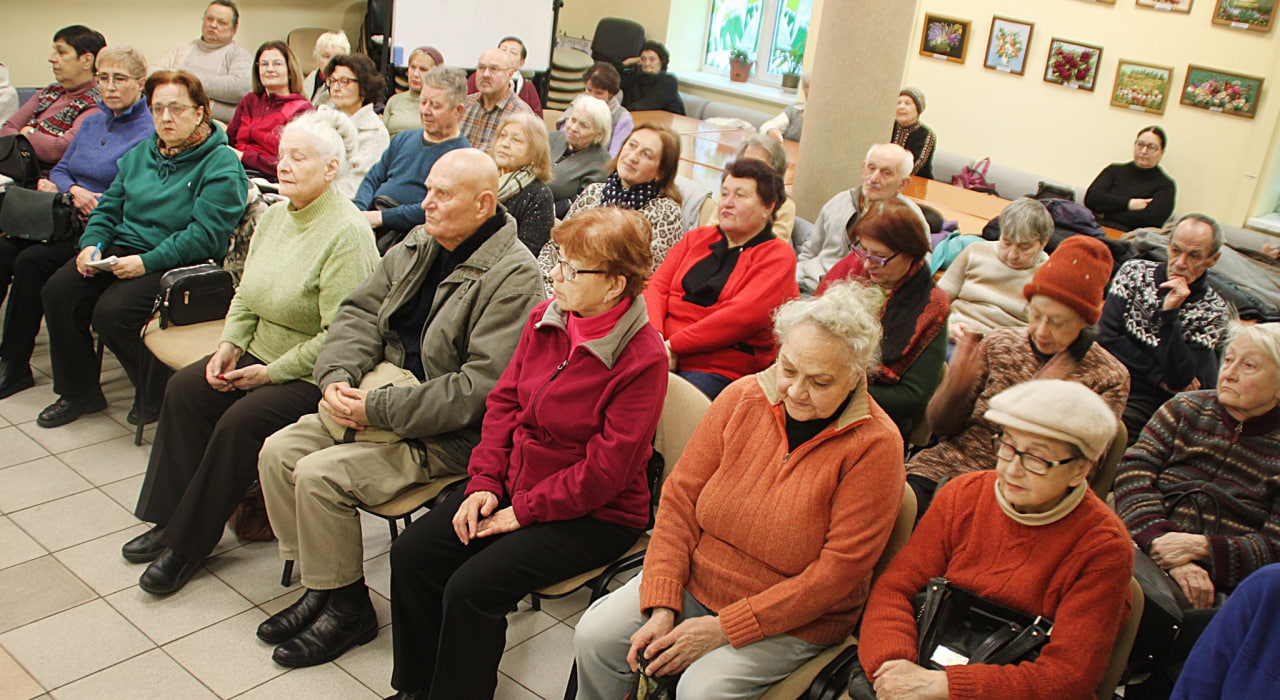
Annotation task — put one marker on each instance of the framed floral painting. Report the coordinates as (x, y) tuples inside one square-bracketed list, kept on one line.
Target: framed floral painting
[(1007, 45), (1182, 6), (944, 38), (1220, 91), (1073, 64), (1251, 15), (1141, 87)]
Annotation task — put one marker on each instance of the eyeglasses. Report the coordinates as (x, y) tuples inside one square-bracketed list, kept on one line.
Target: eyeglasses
[(271, 64), (567, 270), (176, 109), (875, 259), (339, 82), (1146, 147), (1032, 463), (113, 78)]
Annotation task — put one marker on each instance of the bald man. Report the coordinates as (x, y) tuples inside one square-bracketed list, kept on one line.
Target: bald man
[(440, 317), (493, 100)]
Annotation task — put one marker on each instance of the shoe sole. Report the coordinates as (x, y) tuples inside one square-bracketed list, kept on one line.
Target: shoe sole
[(364, 638)]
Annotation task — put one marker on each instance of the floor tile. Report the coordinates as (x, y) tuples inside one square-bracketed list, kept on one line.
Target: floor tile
[(511, 690), (46, 647), (87, 430), (18, 448), (15, 682), (77, 518), (125, 491), (564, 608), (252, 569), (204, 601), (38, 481), (37, 589), (99, 564), (16, 546), (375, 535), (109, 461), (24, 406), (371, 664), (228, 657), (327, 681), (542, 664), (524, 623), (151, 676)]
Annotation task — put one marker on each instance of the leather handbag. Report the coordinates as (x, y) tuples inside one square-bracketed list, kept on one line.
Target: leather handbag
[(645, 687), (250, 521), (194, 294), (18, 161), (975, 178), (383, 374), (47, 217)]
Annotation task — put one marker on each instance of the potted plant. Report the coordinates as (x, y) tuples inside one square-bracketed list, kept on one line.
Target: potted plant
[(794, 60), (739, 65)]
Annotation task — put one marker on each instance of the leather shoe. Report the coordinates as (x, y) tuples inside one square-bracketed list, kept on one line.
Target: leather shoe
[(64, 411), (330, 635), (169, 572), (408, 695), (145, 547), (148, 417), (14, 377), (282, 626)]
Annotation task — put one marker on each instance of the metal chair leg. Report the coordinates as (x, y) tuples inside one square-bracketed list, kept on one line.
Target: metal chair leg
[(286, 577), (571, 688)]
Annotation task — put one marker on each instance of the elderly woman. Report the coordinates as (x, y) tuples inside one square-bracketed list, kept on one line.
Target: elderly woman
[(1221, 449), (985, 280), (329, 45), (646, 84), (401, 112), (306, 255), (254, 131), (789, 123), (766, 150), (578, 153), (1132, 195), (354, 85), (174, 202), (524, 167), (889, 246), (558, 483), (713, 298), (1029, 535), (604, 83), (53, 116), (912, 135), (738, 592), (1064, 301), (85, 172)]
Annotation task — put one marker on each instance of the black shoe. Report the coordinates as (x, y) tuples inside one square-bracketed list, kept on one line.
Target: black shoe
[(282, 626), (330, 635), (408, 695), (64, 411), (150, 416), (14, 377), (145, 547), (169, 572)]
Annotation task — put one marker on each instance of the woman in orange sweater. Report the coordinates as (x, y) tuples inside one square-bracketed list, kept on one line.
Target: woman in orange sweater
[(769, 525)]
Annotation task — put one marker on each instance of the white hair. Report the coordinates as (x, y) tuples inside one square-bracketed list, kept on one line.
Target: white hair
[(330, 131), (1265, 335), (598, 112), (336, 39), (904, 160), (849, 311)]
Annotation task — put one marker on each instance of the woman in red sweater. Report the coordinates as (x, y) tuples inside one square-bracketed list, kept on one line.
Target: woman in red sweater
[(254, 131), (713, 297), (1029, 535)]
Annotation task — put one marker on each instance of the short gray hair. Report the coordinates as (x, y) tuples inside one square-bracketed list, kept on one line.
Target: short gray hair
[(1218, 236), (849, 311), (598, 111), (127, 57), (334, 39), (332, 133), (452, 80), (1265, 335), (1026, 220), (905, 163), (777, 156)]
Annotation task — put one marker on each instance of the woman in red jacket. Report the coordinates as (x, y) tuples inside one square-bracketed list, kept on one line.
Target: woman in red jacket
[(254, 131), (558, 481), (713, 297)]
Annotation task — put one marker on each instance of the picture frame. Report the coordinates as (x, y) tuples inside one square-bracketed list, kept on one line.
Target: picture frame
[(1072, 64), (1007, 45), (1178, 6), (1240, 14), (945, 38), (1222, 91), (1141, 87)]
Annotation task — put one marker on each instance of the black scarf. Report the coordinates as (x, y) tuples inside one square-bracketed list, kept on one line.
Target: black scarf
[(637, 197)]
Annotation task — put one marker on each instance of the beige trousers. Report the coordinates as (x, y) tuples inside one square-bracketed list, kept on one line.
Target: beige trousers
[(313, 484)]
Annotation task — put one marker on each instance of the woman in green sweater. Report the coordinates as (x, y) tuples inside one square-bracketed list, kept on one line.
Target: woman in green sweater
[(305, 257)]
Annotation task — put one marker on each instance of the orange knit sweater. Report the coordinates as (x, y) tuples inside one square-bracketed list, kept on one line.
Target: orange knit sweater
[(776, 542)]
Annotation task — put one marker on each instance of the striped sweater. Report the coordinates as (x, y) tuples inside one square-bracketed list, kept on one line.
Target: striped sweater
[(1192, 442)]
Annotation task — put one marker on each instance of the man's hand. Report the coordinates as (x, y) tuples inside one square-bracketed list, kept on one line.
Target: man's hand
[(345, 405), (1179, 290), (373, 217), (1177, 548), (1195, 582)]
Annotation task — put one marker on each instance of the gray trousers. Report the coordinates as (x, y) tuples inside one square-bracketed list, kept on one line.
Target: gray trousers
[(603, 638)]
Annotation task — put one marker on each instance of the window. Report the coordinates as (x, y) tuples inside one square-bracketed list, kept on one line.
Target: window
[(772, 33)]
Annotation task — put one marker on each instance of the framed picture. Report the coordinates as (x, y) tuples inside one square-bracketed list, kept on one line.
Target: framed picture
[(945, 38), (1007, 45), (1072, 64), (1141, 87), (1252, 15), (1220, 91), (1182, 6)]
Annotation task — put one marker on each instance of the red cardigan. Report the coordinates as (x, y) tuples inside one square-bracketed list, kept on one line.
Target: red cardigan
[(1074, 571), (255, 127), (734, 336), (568, 431)]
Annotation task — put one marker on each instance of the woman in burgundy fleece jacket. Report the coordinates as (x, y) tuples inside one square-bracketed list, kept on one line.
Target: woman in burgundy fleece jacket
[(254, 131)]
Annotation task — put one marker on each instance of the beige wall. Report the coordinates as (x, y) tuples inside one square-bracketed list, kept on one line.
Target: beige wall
[(579, 17)]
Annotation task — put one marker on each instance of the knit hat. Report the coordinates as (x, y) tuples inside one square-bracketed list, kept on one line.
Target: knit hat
[(1058, 409), (1076, 274), (916, 97)]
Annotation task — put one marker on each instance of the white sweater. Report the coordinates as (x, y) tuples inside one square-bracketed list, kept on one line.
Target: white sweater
[(985, 293)]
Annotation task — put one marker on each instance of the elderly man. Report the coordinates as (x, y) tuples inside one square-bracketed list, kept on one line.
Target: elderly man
[(1164, 321), (447, 306), (223, 66), (390, 192), (495, 99), (524, 89), (885, 173)]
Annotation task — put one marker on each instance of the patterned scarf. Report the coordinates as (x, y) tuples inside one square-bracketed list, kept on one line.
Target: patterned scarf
[(513, 183), (197, 137), (638, 197), (913, 315), (57, 124)]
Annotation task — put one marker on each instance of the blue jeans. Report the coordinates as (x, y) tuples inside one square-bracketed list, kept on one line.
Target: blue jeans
[(708, 383)]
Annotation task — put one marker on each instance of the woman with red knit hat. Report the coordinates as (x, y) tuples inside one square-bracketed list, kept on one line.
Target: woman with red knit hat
[(1064, 301)]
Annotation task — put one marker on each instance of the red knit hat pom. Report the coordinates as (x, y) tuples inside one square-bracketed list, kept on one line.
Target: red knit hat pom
[(1076, 274)]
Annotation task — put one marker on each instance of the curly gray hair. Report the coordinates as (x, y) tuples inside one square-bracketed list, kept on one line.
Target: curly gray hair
[(848, 310)]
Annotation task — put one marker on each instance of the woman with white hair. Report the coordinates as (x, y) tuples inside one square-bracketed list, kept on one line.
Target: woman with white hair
[(579, 153), (524, 168), (306, 255), (329, 46), (737, 592)]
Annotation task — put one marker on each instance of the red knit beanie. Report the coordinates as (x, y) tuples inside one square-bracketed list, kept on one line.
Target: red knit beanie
[(1076, 275)]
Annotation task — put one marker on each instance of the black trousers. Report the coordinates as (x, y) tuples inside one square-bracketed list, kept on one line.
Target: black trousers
[(24, 268), (1138, 411), (118, 309), (206, 452), (449, 601)]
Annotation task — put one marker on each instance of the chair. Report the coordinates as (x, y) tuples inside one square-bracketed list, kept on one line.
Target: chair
[(698, 203), (694, 104), (616, 40), (1105, 473), (1124, 640)]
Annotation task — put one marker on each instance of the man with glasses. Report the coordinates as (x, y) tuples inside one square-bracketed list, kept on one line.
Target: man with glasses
[(885, 174), (224, 67), (495, 99), (446, 308)]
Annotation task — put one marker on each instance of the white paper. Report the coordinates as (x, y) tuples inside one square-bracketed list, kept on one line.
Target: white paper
[(944, 656), (104, 263)]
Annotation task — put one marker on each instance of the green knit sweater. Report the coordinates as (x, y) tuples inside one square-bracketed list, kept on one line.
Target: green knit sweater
[(301, 265)]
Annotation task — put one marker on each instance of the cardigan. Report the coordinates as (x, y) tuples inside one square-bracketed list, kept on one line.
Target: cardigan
[(48, 145), (1239, 652), (645, 91), (776, 541), (1109, 194), (1192, 442), (91, 159), (535, 213), (921, 142), (568, 429), (255, 128), (1074, 571), (732, 337), (371, 142), (401, 174), (662, 212), (576, 170), (301, 265), (985, 293)]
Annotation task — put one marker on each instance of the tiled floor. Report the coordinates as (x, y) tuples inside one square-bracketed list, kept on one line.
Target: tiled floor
[(74, 624)]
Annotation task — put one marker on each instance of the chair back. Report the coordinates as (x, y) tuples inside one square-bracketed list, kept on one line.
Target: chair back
[(1104, 474), (1124, 640), (902, 528), (616, 39), (302, 42), (681, 412), (695, 195)]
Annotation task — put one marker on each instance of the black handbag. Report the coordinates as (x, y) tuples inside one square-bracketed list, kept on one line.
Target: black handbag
[(194, 294), (47, 217), (644, 687), (18, 160)]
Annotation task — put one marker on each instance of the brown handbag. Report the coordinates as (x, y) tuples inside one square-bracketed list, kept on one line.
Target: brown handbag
[(250, 521)]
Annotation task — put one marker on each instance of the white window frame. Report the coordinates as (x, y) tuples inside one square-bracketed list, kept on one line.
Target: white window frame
[(760, 74)]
